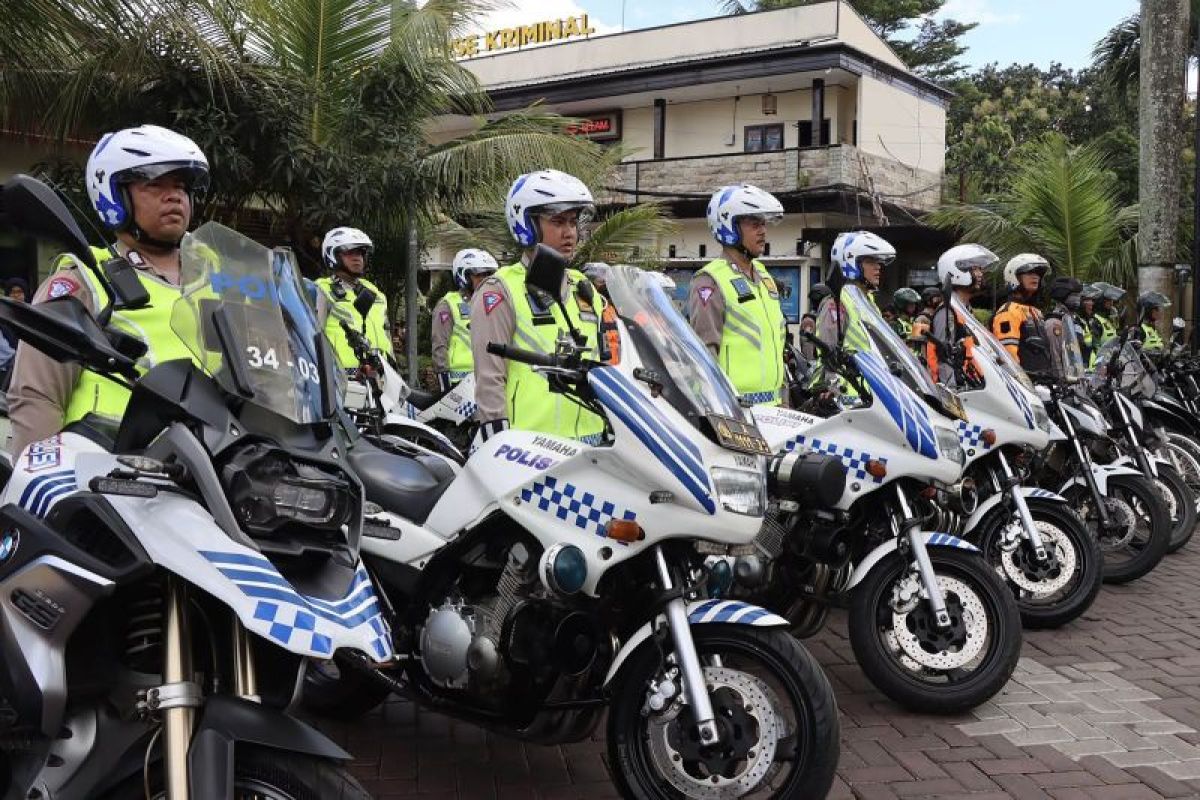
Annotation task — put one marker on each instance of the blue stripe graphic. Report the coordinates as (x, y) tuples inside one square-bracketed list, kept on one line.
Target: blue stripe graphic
[(906, 410), (284, 596), (33, 485), (622, 387), (624, 404), (51, 496)]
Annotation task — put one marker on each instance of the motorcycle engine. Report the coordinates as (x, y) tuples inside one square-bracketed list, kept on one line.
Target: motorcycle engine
[(445, 642)]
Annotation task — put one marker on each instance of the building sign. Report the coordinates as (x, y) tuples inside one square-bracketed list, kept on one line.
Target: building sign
[(522, 35), (605, 127)]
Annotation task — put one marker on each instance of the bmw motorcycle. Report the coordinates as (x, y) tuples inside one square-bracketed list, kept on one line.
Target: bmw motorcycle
[(1031, 536), (551, 580), (163, 582), (930, 621)]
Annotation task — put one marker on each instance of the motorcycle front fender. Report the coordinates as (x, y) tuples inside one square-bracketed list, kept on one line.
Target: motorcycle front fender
[(995, 499), (932, 539), (700, 612), (1101, 472)]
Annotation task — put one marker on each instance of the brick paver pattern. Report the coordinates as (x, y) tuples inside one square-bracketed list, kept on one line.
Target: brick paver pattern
[(1107, 707)]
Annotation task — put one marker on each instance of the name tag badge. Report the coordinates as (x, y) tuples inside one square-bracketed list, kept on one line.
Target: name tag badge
[(587, 316), (464, 309), (742, 287)]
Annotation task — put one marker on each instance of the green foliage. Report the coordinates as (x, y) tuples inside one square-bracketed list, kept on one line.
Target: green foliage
[(930, 47), (1117, 57), (1062, 203)]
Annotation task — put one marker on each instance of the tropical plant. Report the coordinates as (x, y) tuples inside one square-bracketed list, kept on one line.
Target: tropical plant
[(1118, 55), (1061, 203)]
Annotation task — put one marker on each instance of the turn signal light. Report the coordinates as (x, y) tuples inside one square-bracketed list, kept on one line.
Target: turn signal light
[(623, 530), (876, 469), (989, 437)]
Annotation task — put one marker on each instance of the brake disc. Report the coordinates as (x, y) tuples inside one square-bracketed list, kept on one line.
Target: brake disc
[(1124, 519), (943, 648), (751, 729), (1041, 579)]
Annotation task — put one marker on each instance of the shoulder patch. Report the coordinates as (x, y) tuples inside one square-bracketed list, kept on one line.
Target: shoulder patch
[(491, 300), (443, 316), (61, 286), (705, 293)]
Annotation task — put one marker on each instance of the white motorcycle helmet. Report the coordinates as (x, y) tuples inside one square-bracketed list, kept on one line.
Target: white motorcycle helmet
[(1024, 264), (849, 248), (730, 203), (340, 239), (142, 153), (471, 261), (955, 265), (547, 191)]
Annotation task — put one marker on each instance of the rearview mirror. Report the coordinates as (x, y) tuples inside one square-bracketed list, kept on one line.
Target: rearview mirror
[(546, 270), (363, 300), (64, 330), (32, 207)]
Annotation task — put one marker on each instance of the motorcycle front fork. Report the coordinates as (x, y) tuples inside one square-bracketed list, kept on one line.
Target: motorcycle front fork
[(694, 687), (1018, 500), (916, 544), (179, 696)]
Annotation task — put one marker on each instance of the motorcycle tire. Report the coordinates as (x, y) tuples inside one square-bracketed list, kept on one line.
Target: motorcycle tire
[(642, 753), (337, 694), (1139, 496), (1186, 461), (1021, 572), (264, 774), (1183, 522), (975, 595)]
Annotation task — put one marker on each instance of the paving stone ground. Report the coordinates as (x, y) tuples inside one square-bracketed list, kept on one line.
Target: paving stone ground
[(1107, 707)]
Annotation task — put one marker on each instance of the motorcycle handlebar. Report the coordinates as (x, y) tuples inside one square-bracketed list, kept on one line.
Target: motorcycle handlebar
[(524, 356)]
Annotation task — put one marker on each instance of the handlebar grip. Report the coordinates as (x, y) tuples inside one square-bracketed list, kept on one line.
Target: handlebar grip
[(524, 356)]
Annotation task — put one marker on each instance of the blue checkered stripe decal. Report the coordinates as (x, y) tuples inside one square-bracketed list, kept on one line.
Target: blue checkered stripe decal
[(1019, 398), (970, 435), (296, 620), (855, 461), (733, 612), (675, 450), (907, 410), (45, 489), (760, 397), (409, 410), (1045, 494), (946, 540), (573, 505), (466, 409)]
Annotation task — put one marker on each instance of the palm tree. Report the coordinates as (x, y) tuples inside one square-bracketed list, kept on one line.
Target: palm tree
[(1118, 55), (1061, 204)]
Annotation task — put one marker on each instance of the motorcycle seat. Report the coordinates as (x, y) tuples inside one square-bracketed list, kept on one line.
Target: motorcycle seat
[(422, 399), (401, 484)]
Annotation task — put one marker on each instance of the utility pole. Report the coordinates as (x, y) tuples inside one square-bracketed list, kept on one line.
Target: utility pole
[(413, 269), (1195, 337), (1160, 129)]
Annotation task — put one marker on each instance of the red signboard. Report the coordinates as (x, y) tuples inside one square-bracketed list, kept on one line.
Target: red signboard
[(599, 127)]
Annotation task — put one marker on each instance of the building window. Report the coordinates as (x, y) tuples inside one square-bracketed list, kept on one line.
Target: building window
[(805, 129), (762, 138)]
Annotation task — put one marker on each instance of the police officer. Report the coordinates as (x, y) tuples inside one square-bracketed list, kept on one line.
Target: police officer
[(451, 334), (1063, 328), (547, 207), (905, 302), (1150, 307), (346, 252), (1091, 330), (949, 349), (1019, 324), (733, 302), (1109, 313), (861, 257), (142, 183)]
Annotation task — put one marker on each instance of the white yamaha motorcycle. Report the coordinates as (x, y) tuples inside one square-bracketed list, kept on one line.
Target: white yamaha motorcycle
[(1032, 538), (552, 579), (162, 584), (930, 622)]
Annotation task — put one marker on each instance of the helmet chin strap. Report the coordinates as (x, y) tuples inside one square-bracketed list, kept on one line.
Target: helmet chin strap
[(144, 238)]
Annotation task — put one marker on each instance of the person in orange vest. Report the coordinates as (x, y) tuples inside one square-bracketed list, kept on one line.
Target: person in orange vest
[(597, 273), (1019, 324), (961, 268)]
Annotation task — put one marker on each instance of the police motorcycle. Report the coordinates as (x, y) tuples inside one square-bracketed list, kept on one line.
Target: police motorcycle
[(931, 623), (162, 584), (1031, 536), (551, 580), (1119, 386), (1125, 510)]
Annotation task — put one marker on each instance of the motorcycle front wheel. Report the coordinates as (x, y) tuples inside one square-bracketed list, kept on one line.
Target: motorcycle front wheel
[(1053, 592), (916, 663), (1182, 506), (774, 707), (1141, 530)]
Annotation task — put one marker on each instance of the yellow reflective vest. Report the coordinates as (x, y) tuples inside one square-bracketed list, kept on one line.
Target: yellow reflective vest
[(752, 337), (341, 302), (459, 361)]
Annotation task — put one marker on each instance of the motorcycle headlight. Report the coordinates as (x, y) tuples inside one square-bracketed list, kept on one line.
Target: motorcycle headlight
[(949, 445), (741, 491), (269, 491), (1041, 418)]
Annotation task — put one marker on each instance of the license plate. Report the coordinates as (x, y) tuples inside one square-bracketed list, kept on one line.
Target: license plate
[(734, 434)]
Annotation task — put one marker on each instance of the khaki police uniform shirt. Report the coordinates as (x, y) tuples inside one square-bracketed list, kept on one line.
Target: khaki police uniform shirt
[(41, 387), (443, 325), (706, 307)]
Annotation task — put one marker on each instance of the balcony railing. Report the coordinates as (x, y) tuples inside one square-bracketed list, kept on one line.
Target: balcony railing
[(779, 171)]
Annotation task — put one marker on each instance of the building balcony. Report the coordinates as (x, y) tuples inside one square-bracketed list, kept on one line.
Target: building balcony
[(781, 172)]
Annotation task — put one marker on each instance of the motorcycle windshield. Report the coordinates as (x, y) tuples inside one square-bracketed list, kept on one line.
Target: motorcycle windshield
[(1131, 375), (244, 317), (875, 335), (692, 381), (1070, 355), (987, 346)]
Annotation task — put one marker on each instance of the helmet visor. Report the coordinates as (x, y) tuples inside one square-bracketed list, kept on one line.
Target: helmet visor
[(194, 173), (1154, 300), (586, 210)]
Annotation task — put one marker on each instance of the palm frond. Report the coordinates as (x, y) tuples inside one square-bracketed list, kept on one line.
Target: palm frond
[(627, 236)]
